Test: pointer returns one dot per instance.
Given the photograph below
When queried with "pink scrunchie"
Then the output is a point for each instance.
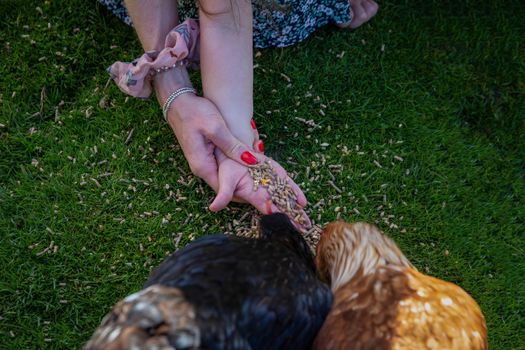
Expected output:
(181, 45)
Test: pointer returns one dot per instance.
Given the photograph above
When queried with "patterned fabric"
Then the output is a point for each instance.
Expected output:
(288, 25)
(180, 48)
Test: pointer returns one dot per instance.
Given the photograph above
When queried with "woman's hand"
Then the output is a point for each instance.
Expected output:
(235, 183)
(200, 129)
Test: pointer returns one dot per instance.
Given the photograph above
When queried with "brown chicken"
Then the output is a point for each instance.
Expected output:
(382, 302)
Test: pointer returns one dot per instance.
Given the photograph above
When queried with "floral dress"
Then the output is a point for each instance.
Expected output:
(283, 24)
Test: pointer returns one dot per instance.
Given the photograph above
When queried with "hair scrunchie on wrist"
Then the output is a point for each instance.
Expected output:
(181, 48)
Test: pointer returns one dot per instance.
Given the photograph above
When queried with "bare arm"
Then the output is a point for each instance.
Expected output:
(227, 80)
(196, 122)
(213, 131)
(227, 62)
(153, 20)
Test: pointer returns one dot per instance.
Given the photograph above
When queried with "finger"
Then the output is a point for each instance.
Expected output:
(301, 198)
(301, 201)
(220, 135)
(268, 207)
(223, 197)
(227, 185)
(201, 159)
(254, 129)
(306, 223)
(258, 146)
(303, 225)
(265, 206)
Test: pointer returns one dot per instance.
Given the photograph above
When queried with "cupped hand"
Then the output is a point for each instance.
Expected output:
(200, 129)
(220, 159)
(235, 183)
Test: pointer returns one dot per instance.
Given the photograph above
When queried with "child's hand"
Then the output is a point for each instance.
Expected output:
(235, 183)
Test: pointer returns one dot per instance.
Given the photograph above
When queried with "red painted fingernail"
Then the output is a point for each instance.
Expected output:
(253, 124)
(261, 146)
(269, 207)
(248, 158)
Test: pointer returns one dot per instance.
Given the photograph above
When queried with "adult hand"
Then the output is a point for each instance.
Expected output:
(235, 183)
(200, 129)
(258, 144)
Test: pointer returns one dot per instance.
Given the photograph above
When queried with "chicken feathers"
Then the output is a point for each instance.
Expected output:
(382, 302)
(235, 293)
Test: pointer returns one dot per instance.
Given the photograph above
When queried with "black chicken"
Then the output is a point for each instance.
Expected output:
(225, 292)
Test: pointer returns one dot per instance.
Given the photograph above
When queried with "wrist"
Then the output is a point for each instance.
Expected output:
(243, 131)
(173, 96)
(245, 137)
(167, 82)
(182, 108)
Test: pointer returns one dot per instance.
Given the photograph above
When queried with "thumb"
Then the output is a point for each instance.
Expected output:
(224, 195)
(232, 147)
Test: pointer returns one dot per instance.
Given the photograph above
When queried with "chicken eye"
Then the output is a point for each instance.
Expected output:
(183, 339)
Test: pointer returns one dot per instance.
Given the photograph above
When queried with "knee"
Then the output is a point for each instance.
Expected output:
(216, 7)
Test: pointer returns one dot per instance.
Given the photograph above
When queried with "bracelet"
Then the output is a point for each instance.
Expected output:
(162, 69)
(172, 98)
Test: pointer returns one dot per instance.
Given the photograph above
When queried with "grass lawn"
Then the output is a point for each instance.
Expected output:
(421, 116)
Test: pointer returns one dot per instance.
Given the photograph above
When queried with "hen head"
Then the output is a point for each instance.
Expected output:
(346, 251)
(278, 228)
(157, 317)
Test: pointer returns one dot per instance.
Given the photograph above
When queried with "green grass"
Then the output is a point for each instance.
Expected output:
(446, 94)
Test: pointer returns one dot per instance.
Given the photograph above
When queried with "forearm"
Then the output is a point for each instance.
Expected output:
(227, 62)
(153, 19)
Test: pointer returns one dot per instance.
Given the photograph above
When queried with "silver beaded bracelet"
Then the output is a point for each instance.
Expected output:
(155, 71)
(172, 98)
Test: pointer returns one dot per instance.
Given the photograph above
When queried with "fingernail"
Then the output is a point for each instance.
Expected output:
(248, 158)
(268, 207)
(261, 146)
(253, 124)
